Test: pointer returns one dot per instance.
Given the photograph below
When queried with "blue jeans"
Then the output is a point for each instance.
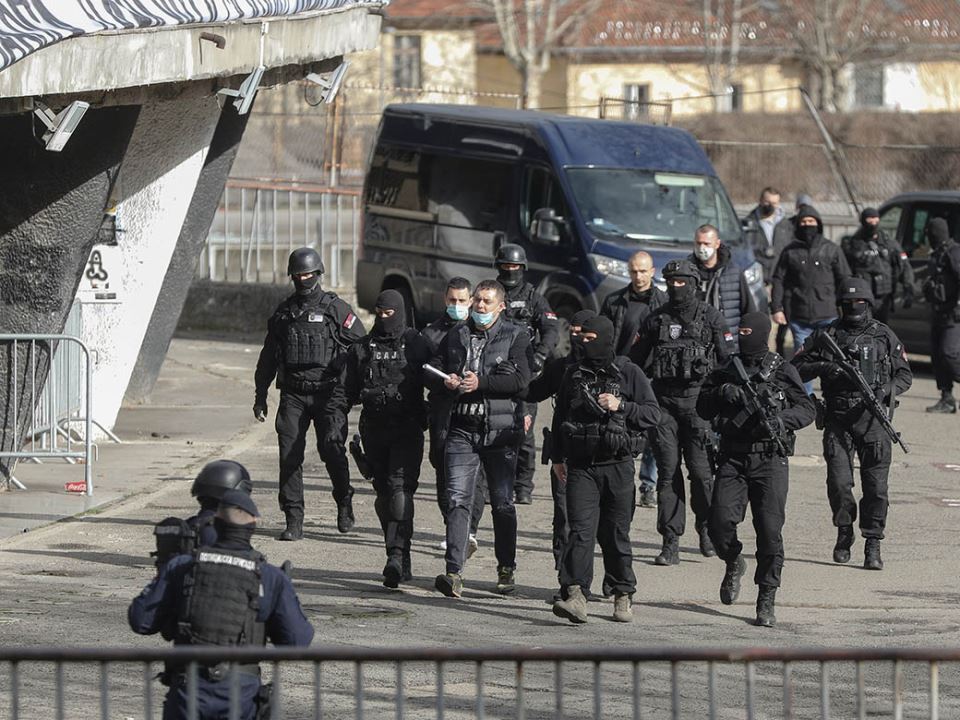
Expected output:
(801, 331)
(648, 470)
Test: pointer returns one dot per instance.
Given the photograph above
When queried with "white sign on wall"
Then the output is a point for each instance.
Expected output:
(100, 279)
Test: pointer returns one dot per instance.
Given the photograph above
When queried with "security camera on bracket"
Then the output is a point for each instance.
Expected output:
(329, 83)
(60, 126)
(248, 90)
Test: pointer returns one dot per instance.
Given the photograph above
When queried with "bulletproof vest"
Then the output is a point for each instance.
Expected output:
(941, 287)
(869, 352)
(220, 599)
(590, 432)
(520, 308)
(175, 536)
(382, 370)
(738, 424)
(681, 352)
(309, 333)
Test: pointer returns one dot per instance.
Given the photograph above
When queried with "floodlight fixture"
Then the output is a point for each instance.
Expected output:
(330, 82)
(248, 90)
(60, 126)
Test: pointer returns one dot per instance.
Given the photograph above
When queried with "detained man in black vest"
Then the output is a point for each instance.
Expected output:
(307, 338)
(678, 346)
(604, 406)
(487, 363)
(384, 375)
(627, 309)
(722, 284)
(227, 595)
(753, 461)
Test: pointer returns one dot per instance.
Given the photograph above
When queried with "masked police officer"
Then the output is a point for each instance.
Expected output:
(849, 426)
(879, 260)
(487, 363)
(383, 374)
(604, 406)
(942, 290)
(176, 536)
(756, 415)
(307, 337)
(226, 595)
(679, 345)
(527, 308)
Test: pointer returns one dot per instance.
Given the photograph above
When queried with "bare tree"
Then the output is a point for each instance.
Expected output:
(531, 31)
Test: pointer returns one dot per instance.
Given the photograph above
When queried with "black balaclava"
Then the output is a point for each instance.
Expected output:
(305, 288)
(394, 325)
(577, 320)
(509, 278)
(683, 297)
(868, 213)
(805, 233)
(754, 343)
(854, 314)
(938, 233)
(232, 535)
(598, 352)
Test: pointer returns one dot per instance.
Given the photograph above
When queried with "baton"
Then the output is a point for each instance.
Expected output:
(439, 373)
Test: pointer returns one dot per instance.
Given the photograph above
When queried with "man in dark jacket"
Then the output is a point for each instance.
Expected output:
(384, 375)
(627, 309)
(942, 290)
(307, 338)
(771, 233)
(807, 280)
(604, 406)
(722, 284)
(879, 260)
(487, 362)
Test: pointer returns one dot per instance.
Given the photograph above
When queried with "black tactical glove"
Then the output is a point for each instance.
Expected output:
(538, 361)
(260, 411)
(731, 394)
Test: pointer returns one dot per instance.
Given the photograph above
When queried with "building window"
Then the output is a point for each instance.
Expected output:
(736, 97)
(406, 61)
(635, 99)
(868, 85)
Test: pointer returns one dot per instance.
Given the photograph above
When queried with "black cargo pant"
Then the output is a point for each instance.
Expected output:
(561, 521)
(600, 503)
(945, 352)
(294, 417)
(682, 434)
(762, 479)
(846, 433)
(395, 452)
(527, 454)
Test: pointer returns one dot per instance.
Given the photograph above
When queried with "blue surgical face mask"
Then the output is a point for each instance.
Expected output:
(480, 318)
(458, 312)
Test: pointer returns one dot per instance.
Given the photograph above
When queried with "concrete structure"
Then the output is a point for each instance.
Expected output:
(154, 150)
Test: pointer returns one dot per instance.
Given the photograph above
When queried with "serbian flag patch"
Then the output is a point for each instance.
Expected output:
(550, 316)
(903, 255)
(351, 319)
(728, 336)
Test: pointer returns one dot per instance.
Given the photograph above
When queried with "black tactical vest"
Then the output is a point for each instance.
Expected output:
(519, 308)
(940, 288)
(382, 370)
(309, 334)
(682, 351)
(736, 425)
(176, 536)
(221, 598)
(869, 351)
(592, 434)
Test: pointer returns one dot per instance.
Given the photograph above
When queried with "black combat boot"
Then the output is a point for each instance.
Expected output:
(841, 551)
(706, 544)
(730, 586)
(871, 554)
(765, 605)
(393, 572)
(946, 404)
(345, 515)
(670, 553)
(406, 565)
(294, 529)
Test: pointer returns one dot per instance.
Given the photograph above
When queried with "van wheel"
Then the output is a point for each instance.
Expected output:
(564, 312)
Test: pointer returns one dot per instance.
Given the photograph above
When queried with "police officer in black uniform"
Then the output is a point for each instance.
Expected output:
(384, 375)
(307, 338)
(679, 345)
(756, 438)
(228, 595)
(942, 290)
(604, 406)
(176, 536)
(528, 308)
(879, 260)
(849, 426)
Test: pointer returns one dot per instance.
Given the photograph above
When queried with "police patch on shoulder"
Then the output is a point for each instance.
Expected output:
(315, 317)
(675, 331)
(351, 319)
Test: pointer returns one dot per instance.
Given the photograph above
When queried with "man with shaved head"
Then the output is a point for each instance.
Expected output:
(627, 309)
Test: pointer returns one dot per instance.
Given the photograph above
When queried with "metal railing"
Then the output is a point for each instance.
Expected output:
(50, 391)
(259, 222)
(514, 682)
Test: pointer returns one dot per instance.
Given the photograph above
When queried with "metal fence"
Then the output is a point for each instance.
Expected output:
(559, 683)
(260, 222)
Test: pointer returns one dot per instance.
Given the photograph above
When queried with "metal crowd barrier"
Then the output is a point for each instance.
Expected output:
(515, 682)
(53, 401)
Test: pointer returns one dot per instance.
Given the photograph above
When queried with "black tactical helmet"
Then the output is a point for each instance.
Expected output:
(511, 254)
(680, 268)
(855, 288)
(219, 476)
(304, 260)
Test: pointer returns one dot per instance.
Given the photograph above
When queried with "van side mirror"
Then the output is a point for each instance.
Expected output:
(545, 227)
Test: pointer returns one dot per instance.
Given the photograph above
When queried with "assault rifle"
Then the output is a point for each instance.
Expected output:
(755, 406)
(875, 407)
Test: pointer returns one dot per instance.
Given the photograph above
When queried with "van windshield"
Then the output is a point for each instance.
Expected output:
(632, 204)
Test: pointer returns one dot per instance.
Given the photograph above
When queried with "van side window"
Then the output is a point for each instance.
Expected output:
(468, 192)
(541, 190)
(394, 179)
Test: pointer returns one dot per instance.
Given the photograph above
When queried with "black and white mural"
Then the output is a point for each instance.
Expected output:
(28, 25)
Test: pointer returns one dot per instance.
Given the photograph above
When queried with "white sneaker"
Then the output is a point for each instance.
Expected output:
(472, 545)
(442, 545)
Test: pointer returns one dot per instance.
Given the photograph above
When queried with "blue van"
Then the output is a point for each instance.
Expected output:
(447, 185)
